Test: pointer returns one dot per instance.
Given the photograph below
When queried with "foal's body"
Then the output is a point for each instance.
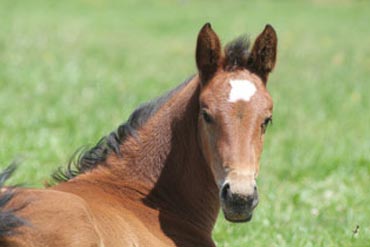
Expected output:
(121, 206)
(161, 178)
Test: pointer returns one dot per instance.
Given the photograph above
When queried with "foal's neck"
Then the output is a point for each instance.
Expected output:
(166, 158)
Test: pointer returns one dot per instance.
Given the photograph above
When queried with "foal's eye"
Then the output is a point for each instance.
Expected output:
(265, 124)
(206, 116)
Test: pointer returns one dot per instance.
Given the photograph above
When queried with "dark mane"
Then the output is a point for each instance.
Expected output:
(86, 159)
(237, 53)
(9, 222)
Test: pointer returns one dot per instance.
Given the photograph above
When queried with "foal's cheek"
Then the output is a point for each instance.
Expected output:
(258, 151)
(210, 152)
(204, 142)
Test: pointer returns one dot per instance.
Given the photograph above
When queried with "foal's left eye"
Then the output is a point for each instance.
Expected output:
(265, 124)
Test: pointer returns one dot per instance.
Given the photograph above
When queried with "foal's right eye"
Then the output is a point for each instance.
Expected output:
(207, 117)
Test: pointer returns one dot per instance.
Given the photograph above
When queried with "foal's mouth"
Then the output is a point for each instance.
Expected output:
(239, 219)
(238, 214)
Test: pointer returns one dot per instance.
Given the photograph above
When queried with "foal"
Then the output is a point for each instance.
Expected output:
(161, 178)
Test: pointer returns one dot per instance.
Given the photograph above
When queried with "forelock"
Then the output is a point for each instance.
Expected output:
(237, 53)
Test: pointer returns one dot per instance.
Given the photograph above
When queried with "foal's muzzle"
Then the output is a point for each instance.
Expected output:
(238, 205)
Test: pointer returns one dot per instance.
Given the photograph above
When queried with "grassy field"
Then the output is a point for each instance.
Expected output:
(72, 71)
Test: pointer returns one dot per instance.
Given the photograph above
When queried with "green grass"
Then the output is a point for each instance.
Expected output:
(72, 71)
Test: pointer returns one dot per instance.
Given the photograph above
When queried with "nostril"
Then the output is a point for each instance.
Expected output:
(250, 200)
(253, 200)
(242, 199)
(225, 191)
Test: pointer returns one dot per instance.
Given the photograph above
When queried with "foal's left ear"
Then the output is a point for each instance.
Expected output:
(263, 55)
(208, 53)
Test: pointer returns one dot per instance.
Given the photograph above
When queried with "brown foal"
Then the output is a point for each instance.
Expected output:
(161, 178)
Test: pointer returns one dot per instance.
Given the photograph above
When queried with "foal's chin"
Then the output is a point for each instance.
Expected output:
(237, 216)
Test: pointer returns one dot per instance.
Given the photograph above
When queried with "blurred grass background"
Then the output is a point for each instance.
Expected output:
(72, 71)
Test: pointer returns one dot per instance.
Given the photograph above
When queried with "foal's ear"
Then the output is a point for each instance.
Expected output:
(263, 55)
(208, 53)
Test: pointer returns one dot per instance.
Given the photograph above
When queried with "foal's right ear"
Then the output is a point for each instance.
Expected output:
(208, 53)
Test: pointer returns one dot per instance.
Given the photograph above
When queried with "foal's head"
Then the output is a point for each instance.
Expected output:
(235, 110)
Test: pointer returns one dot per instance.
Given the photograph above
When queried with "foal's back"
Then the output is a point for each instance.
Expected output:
(54, 218)
(63, 219)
